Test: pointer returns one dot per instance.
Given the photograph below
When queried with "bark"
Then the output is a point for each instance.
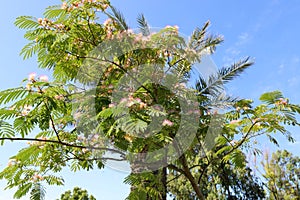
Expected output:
(190, 177)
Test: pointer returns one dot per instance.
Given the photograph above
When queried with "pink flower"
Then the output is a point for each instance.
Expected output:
(143, 105)
(234, 121)
(167, 122)
(12, 162)
(31, 76)
(44, 78)
(105, 6)
(111, 105)
(138, 100)
(123, 100)
(64, 6)
(108, 21)
(59, 97)
(233, 142)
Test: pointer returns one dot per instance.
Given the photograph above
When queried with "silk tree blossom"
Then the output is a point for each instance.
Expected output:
(167, 122)
(59, 97)
(233, 142)
(197, 112)
(111, 105)
(107, 22)
(44, 78)
(282, 101)
(36, 177)
(246, 108)
(123, 100)
(12, 162)
(143, 105)
(129, 31)
(32, 76)
(64, 5)
(40, 20)
(105, 6)
(26, 109)
(234, 121)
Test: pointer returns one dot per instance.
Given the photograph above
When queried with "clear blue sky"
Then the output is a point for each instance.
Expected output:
(266, 30)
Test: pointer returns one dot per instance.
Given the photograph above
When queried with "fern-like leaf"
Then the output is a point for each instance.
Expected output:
(143, 25)
(6, 130)
(119, 18)
(271, 97)
(29, 49)
(10, 95)
(215, 82)
(26, 22)
(54, 12)
(38, 192)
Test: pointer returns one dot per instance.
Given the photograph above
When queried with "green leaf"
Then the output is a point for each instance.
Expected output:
(271, 97)
(6, 131)
(38, 192)
(54, 12)
(119, 18)
(22, 190)
(143, 25)
(29, 49)
(26, 22)
(10, 95)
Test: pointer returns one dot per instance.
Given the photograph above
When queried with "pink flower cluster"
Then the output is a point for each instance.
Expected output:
(100, 4)
(130, 101)
(167, 122)
(12, 162)
(36, 177)
(32, 77)
(282, 101)
(26, 109)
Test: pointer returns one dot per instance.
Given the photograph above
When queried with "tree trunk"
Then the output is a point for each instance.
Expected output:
(190, 177)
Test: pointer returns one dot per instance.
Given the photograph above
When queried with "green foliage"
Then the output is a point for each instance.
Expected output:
(77, 194)
(143, 25)
(26, 22)
(38, 192)
(282, 174)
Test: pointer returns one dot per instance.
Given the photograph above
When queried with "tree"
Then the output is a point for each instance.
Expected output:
(282, 175)
(118, 92)
(77, 194)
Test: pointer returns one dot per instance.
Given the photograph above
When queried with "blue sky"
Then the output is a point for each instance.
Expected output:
(268, 31)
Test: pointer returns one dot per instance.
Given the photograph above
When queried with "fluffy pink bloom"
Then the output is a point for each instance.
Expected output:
(106, 22)
(64, 6)
(31, 76)
(138, 100)
(104, 6)
(167, 122)
(44, 78)
(12, 162)
(111, 105)
(234, 121)
(123, 100)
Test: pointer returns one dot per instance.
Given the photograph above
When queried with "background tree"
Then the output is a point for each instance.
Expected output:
(77, 194)
(282, 175)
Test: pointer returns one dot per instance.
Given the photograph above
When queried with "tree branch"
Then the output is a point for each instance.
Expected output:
(64, 144)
